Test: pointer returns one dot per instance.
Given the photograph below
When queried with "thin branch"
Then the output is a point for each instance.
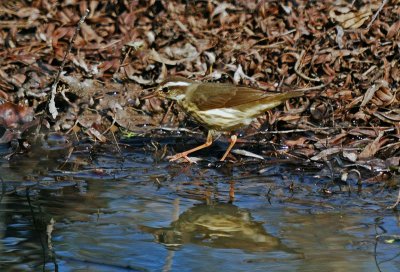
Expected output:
(377, 13)
(166, 113)
(395, 204)
(51, 105)
(312, 88)
(299, 73)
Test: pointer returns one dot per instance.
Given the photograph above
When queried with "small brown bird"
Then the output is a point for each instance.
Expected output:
(219, 107)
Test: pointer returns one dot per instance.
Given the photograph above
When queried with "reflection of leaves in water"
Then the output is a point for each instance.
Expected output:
(219, 226)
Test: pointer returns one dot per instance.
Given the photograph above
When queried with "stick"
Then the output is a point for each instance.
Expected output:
(299, 73)
(377, 13)
(51, 105)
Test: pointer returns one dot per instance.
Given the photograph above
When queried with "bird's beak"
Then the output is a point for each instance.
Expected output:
(151, 95)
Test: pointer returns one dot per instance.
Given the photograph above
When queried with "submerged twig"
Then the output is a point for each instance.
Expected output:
(396, 203)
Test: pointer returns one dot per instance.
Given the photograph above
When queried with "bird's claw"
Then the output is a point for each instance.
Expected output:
(178, 156)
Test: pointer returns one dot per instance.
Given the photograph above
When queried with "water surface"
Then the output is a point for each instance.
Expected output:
(94, 208)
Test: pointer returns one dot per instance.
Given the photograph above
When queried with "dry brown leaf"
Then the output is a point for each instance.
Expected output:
(154, 55)
(370, 132)
(351, 156)
(323, 155)
(373, 147)
(298, 141)
(87, 119)
(96, 134)
(133, 120)
(371, 91)
(393, 30)
(392, 117)
(351, 19)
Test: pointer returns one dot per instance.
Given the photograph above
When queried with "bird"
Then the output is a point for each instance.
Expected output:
(218, 107)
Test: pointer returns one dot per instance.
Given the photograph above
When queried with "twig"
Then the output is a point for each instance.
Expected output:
(51, 105)
(116, 143)
(35, 225)
(72, 128)
(376, 250)
(67, 159)
(377, 13)
(293, 130)
(396, 203)
(300, 74)
(166, 113)
(312, 88)
(389, 146)
(112, 123)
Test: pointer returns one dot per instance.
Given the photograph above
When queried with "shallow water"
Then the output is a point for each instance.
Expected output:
(93, 208)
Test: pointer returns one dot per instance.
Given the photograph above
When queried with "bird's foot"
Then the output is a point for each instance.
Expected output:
(182, 155)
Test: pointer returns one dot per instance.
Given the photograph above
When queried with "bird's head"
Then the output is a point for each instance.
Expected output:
(174, 88)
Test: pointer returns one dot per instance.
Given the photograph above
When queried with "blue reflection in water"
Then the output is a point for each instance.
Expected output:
(105, 213)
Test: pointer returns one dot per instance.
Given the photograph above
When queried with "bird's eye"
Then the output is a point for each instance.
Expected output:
(165, 89)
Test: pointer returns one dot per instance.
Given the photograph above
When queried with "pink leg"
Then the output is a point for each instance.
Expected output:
(186, 153)
(233, 141)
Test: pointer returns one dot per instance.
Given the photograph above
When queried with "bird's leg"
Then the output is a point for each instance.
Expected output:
(233, 141)
(186, 153)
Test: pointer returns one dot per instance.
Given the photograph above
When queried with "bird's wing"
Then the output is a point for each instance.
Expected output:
(227, 95)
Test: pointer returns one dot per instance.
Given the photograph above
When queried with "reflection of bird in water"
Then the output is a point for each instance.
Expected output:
(219, 226)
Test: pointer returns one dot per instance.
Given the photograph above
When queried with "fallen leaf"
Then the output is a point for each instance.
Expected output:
(351, 19)
(373, 147)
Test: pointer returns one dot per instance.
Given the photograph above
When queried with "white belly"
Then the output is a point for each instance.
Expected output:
(225, 118)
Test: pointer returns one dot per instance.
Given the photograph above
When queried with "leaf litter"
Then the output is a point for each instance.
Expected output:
(346, 53)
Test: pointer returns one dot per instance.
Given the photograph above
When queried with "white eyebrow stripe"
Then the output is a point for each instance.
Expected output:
(177, 83)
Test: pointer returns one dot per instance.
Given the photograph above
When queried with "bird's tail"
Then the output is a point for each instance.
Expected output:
(276, 99)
